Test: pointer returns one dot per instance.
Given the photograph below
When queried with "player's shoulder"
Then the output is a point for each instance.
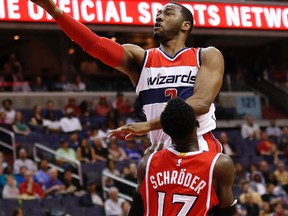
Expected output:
(223, 164)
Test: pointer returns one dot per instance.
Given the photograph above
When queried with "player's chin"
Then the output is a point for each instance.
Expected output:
(157, 35)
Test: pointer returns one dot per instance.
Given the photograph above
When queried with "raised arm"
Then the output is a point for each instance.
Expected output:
(223, 179)
(127, 58)
(209, 80)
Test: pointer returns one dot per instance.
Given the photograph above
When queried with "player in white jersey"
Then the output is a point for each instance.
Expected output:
(174, 23)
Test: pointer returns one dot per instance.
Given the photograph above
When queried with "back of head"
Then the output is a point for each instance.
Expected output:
(178, 119)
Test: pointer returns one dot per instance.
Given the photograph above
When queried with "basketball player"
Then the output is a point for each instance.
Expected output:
(182, 180)
(159, 74)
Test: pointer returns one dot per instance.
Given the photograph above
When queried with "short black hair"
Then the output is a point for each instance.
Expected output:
(178, 119)
(187, 15)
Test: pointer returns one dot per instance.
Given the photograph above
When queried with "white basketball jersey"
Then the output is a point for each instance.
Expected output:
(164, 77)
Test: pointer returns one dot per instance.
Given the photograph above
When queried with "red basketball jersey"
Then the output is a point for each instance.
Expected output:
(179, 184)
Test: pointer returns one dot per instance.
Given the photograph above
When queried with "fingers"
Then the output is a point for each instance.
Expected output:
(129, 136)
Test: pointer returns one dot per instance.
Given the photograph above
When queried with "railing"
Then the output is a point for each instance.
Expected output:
(117, 178)
(6, 145)
(60, 169)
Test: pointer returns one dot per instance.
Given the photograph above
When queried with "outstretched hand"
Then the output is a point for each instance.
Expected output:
(131, 130)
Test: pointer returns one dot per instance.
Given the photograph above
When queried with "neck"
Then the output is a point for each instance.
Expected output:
(171, 47)
(190, 146)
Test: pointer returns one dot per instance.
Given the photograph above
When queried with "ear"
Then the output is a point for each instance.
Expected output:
(186, 25)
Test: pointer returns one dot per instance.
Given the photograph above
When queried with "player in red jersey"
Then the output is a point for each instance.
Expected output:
(173, 24)
(183, 180)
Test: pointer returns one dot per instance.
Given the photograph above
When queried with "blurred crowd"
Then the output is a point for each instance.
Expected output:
(79, 132)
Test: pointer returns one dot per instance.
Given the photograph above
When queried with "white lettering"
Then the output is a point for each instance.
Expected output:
(273, 17)
(232, 16)
(213, 13)
(200, 186)
(257, 12)
(166, 177)
(99, 10)
(154, 184)
(196, 178)
(173, 177)
(2, 9)
(75, 9)
(87, 4)
(13, 7)
(64, 5)
(285, 17)
(155, 8)
(145, 16)
(200, 8)
(245, 16)
(123, 13)
(35, 15)
(111, 12)
(158, 175)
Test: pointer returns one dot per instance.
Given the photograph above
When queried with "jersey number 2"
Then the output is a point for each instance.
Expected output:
(171, 92)
(187, 200)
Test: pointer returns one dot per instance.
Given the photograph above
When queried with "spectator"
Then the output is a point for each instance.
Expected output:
(85, 153)
(18, 212)
(24, 161)
(70, 123)
(250, 130)
(19, 126)
(72, 105)
(53, 186)
(65, 156)
(267, 149)
(283, 142)
(21, 85)
(258, 183)
(74, 140)
(125, 208)
(132, 177)
(10, 190)
(113, 204)
(78, 85)
(63, 84)
(8, 110)
(281, 175)
(228, 147)
(110, 168)
(132, 152)
(50, 107)
(248, 190)
(273, 130)
(42, 175)
(91, 198)
(52, 124)
(251, 207)
(70, 186)
(20, 177)
(7, 171)
(116, 153)
(269, 196)
(96, 133)
(3, 164)
(37, 118)
(264, 169)
(101, 153)
(30, 189)
(38, 85)
(240, 174)
(102, 108)
(279, 210)
(122, 105)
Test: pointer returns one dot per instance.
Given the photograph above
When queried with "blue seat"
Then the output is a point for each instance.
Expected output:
(31, 204)
(95, 210)
(51, 203)
(76, 211)
(70, 201)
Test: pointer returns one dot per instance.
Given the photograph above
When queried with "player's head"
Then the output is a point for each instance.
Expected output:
(173, 19)
(179, 121)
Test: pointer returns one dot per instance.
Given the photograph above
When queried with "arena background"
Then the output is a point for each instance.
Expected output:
(253, 37)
